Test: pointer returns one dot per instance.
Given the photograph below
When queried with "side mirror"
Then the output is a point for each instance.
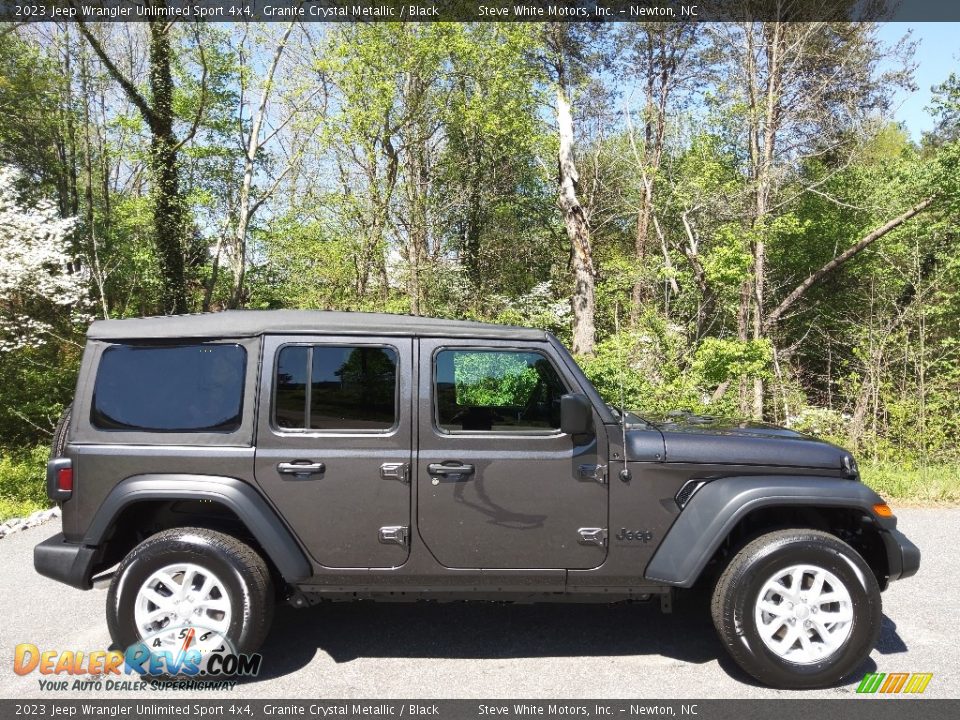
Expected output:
(576, 414)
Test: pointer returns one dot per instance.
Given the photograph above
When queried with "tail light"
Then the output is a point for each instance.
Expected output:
(65, 480)
(60, 479)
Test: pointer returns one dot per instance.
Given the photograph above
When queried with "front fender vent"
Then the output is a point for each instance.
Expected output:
(688, 490)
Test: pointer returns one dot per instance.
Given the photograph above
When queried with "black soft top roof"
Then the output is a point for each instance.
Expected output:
(249, 323)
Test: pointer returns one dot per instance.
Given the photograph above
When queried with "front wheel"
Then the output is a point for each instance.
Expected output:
(798, 609)
(191, 589)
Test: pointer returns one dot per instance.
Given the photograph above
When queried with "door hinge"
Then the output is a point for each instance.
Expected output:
(593, 536)
(395, 471)
(394, 535)
(596, 473)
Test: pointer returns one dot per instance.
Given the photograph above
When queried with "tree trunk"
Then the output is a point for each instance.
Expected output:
(169, 217)
(169, 213)
(240, 234)
(578, 231)
(773, 46)
(864, 242)
(97, 271)
(641, 242)
(417, 188)
(251, 149)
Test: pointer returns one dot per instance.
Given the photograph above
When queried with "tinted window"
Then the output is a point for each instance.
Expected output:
(291, 399)
(182, 388)
(325, 387)
(490, 390)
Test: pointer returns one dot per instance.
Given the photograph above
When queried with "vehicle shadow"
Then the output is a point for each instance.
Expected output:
(890, 642)
(348, 631)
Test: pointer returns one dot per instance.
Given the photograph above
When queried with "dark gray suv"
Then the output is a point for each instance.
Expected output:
(213, 464)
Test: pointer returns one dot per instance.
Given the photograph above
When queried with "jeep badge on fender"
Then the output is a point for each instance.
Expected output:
(228, 459)
(643, 536)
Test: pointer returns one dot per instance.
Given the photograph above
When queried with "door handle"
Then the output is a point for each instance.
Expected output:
(301, 468)
(448, 469)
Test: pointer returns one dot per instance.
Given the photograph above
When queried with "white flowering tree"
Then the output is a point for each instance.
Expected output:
(37, 282)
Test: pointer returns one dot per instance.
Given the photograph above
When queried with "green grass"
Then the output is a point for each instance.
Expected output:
(917, 484)
(22, 483)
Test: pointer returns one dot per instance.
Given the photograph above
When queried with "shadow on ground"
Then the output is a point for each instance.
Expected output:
(348, 631)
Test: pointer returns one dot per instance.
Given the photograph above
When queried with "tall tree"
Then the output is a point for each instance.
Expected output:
(662, 58)
(799, 88)
(170, 213)
(252, 141)
(567, 59)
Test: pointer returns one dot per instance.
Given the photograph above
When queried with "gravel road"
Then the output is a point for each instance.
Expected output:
(501, 651)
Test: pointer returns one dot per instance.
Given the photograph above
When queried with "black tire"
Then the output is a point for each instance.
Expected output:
(59, 441)
(244, 573)
(740, 584)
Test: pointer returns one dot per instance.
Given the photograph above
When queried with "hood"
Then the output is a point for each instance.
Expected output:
(704, 439)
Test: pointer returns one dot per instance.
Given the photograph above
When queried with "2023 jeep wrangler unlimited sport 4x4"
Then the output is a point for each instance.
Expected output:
(225, 460)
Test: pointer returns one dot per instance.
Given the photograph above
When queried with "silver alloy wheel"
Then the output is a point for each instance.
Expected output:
(804, 614)
(179, 596)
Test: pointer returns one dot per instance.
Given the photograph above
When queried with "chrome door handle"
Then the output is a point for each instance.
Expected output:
(301, 469)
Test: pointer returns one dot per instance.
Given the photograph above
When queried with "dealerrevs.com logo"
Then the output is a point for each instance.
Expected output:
(201, 659)
(894, 683)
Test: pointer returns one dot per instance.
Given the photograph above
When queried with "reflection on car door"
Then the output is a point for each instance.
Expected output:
(499, 485)
(334, 445)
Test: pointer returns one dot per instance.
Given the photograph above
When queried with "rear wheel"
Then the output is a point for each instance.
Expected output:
(798, 609)
(191, 588)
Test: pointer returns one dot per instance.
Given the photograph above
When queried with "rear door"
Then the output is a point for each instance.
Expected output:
(334, 445)
(499, 486)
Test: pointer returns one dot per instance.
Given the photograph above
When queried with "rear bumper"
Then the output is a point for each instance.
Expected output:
(903, 557)
(66, 562)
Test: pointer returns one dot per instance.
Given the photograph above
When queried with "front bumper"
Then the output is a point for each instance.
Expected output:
(66, 562)
(903, 557)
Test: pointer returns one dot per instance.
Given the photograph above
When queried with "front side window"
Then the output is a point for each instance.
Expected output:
(325, 387)
(170, 388)
(496, 391)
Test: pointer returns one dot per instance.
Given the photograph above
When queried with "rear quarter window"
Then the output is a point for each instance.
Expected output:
(170, 388)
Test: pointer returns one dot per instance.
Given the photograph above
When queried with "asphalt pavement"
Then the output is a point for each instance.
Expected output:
(484, 650)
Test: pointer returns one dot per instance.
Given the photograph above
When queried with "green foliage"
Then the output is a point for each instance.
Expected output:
(652, 368)
(823, 423)
(493, 379)
(35, 385)
(719, 359)
(29, 86)
(538, 308)
(22, 482)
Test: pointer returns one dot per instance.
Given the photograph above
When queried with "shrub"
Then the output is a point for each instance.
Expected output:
(22, 482)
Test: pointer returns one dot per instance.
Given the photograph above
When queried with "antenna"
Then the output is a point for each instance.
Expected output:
(625, 474)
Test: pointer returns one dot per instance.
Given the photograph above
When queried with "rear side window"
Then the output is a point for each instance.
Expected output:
(170, 388)
(327, 387)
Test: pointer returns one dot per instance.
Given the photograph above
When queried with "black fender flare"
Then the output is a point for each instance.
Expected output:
(242, 498)
(718, 506)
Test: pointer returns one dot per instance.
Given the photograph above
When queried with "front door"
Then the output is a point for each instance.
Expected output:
(499, 486)
(334, 445)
